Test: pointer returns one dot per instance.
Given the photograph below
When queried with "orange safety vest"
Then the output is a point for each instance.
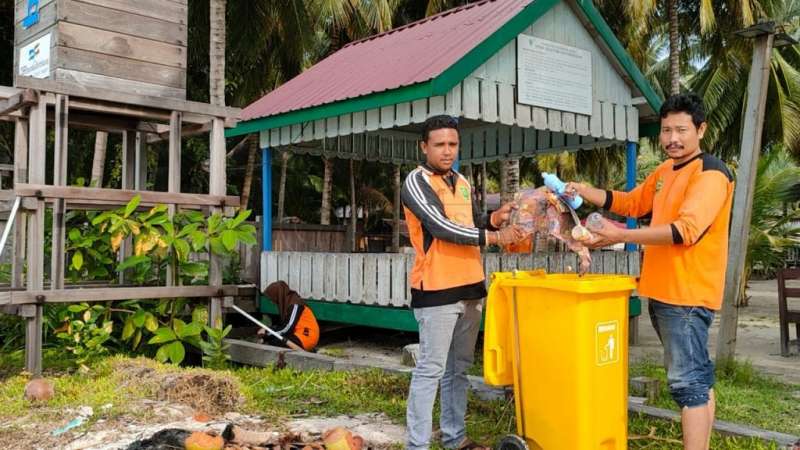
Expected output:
(445, 264)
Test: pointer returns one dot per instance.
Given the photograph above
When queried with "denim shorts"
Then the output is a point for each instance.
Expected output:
(683, 331)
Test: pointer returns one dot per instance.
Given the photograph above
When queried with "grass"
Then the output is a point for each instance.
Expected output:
(279, 394)
(744, 396)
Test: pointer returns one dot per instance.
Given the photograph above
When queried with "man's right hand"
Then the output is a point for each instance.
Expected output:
(505, 236)
(574, 188)
(592, 195)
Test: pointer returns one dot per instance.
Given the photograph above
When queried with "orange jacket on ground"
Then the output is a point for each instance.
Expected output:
(694, 198)
(445, 230)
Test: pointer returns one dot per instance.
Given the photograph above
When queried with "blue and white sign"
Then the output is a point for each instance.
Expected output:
(32, 18)
(34, 58)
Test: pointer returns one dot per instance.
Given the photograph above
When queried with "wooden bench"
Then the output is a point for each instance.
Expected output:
(786, 315)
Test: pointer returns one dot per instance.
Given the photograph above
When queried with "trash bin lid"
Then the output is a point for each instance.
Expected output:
(566, 282)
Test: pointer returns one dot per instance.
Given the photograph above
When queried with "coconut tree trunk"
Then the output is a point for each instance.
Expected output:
(484, 205)
(248, 171)
(99, 162)
(216, 50)
(282, 187)
(509, 179)
(396, 224)
(353, 207)
(674, 48)
(327, 187)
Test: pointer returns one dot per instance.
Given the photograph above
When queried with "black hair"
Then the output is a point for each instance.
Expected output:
(690, 103)
(437, 123)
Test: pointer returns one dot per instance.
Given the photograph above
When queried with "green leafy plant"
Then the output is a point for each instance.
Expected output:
(215, 350)
(85, 329)
(171, 339)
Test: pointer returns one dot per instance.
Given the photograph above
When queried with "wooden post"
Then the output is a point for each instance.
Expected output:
(217, 186)
(59, 179)
(266, 199)
(20, 176)
(396, 225)
(174, 170)
(35, 281)
(743, 194)
(140, 164)
(130, 140)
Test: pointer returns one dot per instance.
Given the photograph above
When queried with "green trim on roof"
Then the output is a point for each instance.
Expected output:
(363, 103)
(457, 72)
(491, 45)
(623, 57)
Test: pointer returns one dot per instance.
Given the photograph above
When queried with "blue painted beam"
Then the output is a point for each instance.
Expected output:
(630, 183)
(266, 194)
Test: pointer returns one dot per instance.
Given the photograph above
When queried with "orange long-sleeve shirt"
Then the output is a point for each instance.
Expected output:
(694, 198)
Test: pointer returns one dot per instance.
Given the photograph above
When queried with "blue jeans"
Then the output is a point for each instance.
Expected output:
(447, 336)
(683, 331)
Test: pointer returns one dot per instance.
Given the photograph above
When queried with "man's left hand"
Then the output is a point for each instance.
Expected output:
(608, 234)
(500, 217)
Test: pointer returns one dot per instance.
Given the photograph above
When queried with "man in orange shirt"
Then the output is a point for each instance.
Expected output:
(688, 198)
(447, 282)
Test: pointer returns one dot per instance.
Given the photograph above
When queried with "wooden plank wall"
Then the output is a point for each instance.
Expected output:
(382, 278)
(134, 47)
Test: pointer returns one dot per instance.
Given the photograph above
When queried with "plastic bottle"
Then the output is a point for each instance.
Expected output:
(595, 221)
(558, 187)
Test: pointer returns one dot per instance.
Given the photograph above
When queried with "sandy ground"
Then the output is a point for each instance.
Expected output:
(757, 336)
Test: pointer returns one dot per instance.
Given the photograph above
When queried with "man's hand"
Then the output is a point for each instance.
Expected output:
(502, 215)
(505, 236)
(607, 234)
(592, 195)
(573, 188)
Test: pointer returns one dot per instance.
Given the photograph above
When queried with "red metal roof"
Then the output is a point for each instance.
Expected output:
(407, 55)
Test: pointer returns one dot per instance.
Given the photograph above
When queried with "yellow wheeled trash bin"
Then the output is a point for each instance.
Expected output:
(561, 341)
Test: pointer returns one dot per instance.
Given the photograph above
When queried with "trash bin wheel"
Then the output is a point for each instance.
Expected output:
(512, 442)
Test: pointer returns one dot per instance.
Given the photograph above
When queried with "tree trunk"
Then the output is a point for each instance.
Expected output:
(353, 208)
(216, 50)
(396, 225)
(282, 186)
(484, 204)
(99, 162)
(674, 48)
(248, 171)
(509, 179)
(327, 188)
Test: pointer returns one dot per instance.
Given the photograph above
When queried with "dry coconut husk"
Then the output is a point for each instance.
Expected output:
(212, 393)
(209, 392)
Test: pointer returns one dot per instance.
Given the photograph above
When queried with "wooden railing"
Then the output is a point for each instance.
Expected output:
(382, 278)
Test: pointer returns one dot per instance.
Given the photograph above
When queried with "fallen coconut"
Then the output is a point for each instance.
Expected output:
(342, 439)
(204, 441)
(39, 389)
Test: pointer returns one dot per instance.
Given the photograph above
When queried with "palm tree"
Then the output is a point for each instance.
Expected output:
(722, 82)
(773, 226)
(216, 73)
(327, 190)
(340, 22)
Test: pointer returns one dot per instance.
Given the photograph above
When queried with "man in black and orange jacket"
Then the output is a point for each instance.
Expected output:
(688, 198)
(447, 282)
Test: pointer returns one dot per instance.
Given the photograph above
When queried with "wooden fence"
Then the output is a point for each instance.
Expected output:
(382, 278)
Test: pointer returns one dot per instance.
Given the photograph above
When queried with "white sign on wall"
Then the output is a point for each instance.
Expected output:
(553, 75)
(34, 58)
